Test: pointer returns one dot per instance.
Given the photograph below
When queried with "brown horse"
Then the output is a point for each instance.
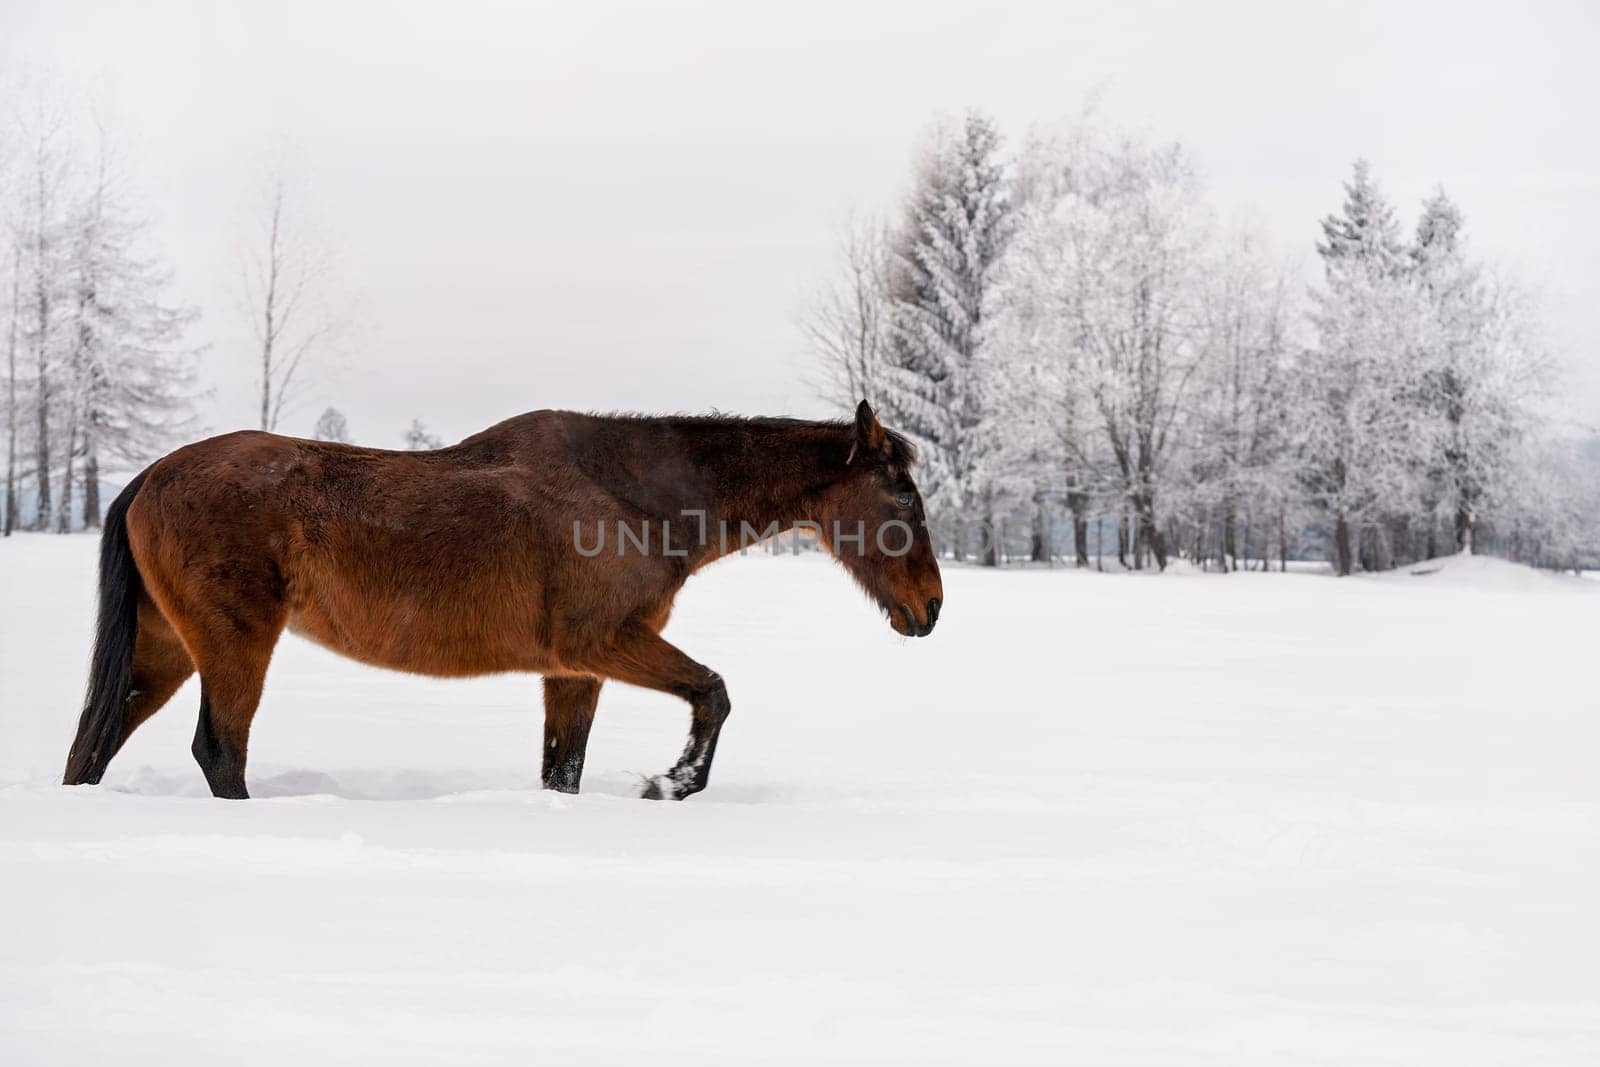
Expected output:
(554, 543)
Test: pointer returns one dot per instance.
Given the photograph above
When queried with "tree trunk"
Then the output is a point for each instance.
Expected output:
(1158, 544)
(11, 394)
(989, 535)
(64, 500)
(1041, 540)
(1395, 541)
(1147, 537)
(1230, 549)
(266, 382)
(1341, 546)
(1079, 503)
(91, 490)
(41, 511)
(42, 400)
(1466, 487)
(1366, 549)
(958, 544)
(269, 314)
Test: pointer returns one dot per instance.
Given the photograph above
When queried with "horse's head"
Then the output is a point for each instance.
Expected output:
(872, 521)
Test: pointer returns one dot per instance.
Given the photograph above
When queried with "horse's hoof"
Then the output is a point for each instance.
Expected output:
(659, 788)
(664, 787)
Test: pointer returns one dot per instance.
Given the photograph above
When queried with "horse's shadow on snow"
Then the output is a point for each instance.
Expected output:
(462, 784)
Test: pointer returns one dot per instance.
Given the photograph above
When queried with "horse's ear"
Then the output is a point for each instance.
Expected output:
(870, 434)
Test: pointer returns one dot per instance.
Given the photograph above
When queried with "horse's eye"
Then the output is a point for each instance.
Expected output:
(904, 500)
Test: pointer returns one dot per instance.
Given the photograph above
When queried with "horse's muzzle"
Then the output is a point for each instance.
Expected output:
(916, 629)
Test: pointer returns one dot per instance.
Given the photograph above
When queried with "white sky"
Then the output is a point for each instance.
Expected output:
(596, 205)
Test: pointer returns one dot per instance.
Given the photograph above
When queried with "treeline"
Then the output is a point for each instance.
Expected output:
(1087, 357)
(99, 371)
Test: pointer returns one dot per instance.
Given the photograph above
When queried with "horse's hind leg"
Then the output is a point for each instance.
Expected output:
(233, 668)
(569, 704)
(160, 666)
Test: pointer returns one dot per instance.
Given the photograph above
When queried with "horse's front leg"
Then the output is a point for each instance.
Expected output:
(641, 657)
(569, 703)
(709, 709)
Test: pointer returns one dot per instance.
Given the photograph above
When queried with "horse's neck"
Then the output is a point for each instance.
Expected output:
(761, 501)
(769, 494)
(761, 508)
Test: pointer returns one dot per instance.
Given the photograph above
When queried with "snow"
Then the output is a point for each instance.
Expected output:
(1095, 818)
(1484, 572)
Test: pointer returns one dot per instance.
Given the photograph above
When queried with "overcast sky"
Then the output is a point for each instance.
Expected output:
(606, 206)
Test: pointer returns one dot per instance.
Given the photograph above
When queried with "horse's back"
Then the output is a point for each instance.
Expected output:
(396, 558)
(454, 561)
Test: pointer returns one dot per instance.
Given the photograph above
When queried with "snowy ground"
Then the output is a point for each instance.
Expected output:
(1095, 819)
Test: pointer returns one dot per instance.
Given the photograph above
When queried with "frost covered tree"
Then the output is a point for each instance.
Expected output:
(1097, 320)
(1364, 231)
(34, 161)
(291, 298)
(128, 380)
(1479, 373)
(1358, 418)
(418, 439)
(13, 407)
(331, 426)
(1026, 406)
(94, 349)
(1241, 471)
(12, 293)
(1419, 387)
(1032, 337)
(1011, 459)
(943, 253)
(39, 231)
(1548, 515)
(1132, 229)
(846, 322)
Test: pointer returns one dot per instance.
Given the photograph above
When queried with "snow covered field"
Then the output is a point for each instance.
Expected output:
(1095, 819)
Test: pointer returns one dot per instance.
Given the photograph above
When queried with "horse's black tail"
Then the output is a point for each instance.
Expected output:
(105, 710)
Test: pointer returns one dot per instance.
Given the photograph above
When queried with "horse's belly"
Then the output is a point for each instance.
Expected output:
(421, 640)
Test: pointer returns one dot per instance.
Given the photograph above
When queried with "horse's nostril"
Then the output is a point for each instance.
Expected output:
(933, 611)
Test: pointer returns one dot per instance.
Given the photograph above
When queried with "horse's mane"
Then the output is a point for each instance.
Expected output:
(902, 452)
